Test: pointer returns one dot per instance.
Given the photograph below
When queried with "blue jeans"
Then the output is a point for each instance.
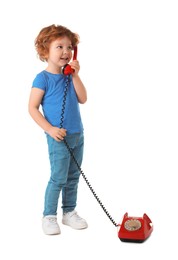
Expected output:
(64, 173)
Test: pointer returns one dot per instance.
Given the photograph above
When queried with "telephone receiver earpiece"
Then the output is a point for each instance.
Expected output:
(67, 70)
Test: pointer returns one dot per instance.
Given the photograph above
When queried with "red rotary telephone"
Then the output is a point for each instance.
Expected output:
(134, 229)
(67, 70)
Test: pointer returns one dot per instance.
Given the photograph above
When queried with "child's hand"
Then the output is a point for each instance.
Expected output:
(57, 133)
(76, 66)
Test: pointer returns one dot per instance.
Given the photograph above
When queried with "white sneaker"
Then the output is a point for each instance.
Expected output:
(50, 225)
(73, 220)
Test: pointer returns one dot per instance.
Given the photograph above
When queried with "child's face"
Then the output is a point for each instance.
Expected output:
(60, 52)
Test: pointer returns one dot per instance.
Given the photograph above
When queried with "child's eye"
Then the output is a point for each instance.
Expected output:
(69, 48)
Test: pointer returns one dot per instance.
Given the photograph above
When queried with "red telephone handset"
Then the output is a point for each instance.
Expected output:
(67, 70)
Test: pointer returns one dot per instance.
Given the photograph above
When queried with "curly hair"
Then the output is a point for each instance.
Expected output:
(49, 34)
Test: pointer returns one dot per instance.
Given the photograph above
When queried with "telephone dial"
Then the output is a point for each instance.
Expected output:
(132, 229)
(135, 229)
(67, 70)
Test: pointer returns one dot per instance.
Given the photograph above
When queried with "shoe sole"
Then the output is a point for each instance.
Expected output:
(52, 234)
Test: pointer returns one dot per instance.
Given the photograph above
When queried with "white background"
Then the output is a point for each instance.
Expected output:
(129, 61)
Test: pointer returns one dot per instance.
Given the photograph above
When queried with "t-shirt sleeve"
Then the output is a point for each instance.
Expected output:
(39, 82)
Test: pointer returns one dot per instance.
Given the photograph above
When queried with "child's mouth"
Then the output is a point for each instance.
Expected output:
(65, 59)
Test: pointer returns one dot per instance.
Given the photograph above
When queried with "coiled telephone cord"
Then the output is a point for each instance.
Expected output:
(73, 157)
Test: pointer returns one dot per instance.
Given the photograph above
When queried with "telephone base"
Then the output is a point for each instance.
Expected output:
(132, 240)
(135, 229)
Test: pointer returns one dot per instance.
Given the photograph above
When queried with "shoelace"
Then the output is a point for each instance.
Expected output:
(52, 220)
(76, 216)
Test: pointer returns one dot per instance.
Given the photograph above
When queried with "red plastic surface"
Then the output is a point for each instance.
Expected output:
(138, 235)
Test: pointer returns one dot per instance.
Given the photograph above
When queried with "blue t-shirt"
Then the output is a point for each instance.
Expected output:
(54, 86)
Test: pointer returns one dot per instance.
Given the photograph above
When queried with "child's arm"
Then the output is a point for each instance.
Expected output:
(35, 99)
(78, 84)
